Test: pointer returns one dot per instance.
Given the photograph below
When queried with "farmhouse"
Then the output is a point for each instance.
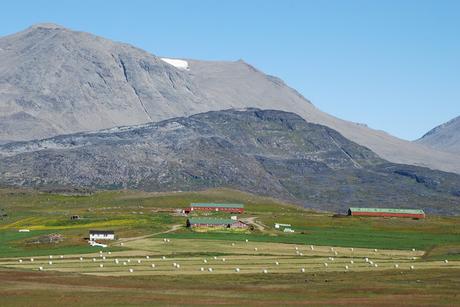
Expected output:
(385, 212)
(208, 222)
(101, 235)
(233, 208)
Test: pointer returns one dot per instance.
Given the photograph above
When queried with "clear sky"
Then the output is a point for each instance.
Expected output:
(394, 65)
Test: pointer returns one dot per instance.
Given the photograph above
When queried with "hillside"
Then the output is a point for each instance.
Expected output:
(444, 137)
(57, 81)
(271, 153)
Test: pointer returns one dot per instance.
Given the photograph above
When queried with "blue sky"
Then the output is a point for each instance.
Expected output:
(394, 65)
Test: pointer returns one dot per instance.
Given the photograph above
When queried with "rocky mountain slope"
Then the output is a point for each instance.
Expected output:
(445, 137)
(54, 81)
(265, 152)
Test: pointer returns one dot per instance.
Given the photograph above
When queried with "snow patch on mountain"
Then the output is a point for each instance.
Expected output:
(180, 64)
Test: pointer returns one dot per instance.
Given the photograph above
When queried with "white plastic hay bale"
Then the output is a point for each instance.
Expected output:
(371, 262)
(215, 258)
(335, 253)
(247, 240)
(301, 254)
(50, 262)
(277, 263)
(94, 259)
(164, 257)
(223, 260)
(351, 249)
(375, 250)
(100, 252)
(31, 259)
(153, 265)
(62, 257)
(168, 240)
(325, 264)
(116, 261)
(205, 261)
(376, 265)
(51, 256)
(201, 269)
(210, 269)
(178, 266)
(413, 249)
(332, 249)
(81, 258)
(129, 260)
(103, 258)
(311, 247)
(396, 265)
(110, 253)
(446, 261)
(139, 261)
(332, 259)
(265, 271)
(413, 258)
(131, 270)
(255, 248)
(147, 257)
(366, 259)
(20, 260)
(121, 244)
(101, 265)
(302, 270)
(237, 270)
(351, 262)
(174, 264)
(412, 267)
(233, 244)
(346, 267)
(40, 268)
(296, 248)
(124, 263)
(164, 240)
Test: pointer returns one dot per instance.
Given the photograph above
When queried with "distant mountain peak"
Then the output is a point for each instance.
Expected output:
(47, 26)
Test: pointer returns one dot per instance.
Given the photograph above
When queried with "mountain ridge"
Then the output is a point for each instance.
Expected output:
(267, 152)
(68, 81)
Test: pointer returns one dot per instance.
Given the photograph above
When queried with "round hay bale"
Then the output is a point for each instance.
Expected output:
(153, 265)
(346, 267)
(351, 262)
(237, 270)
(325, 264)
(201, 269)
(124, 263)
(396, 265)
(210, 269)
(94, 259)
(51, 256)
(223, 259)
(131, 270)
(20, 260)
(101, 265)
(147, 257)
(302, 270)
(81, 258)
(40, 268)
(164, 257)
(205, 261)
(277, 263)
(62, 256)
(412, 267)
(50, 262)
(265, 271)
(139, 261)
(31, 259)
(446, 261)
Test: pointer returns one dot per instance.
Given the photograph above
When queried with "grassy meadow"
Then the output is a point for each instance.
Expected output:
(144, 221)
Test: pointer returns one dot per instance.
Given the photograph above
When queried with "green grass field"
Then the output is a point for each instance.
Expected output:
(142, 220)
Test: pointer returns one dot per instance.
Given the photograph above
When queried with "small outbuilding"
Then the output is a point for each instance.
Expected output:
(209, 222)
(101, 235)
(387, 212)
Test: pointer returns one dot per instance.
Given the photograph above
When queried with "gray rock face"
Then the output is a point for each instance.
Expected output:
(267, 152)
(445, 137)
(54, 81)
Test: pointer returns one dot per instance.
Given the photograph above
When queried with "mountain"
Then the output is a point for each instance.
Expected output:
(57, 81)
(445, 137)
(267, 152)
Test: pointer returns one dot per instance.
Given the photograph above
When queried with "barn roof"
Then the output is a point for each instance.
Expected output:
(216, 205)
(211, 221)
(388, 210)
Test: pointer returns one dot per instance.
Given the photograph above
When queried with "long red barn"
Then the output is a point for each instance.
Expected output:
(231, 208)
(387, 212)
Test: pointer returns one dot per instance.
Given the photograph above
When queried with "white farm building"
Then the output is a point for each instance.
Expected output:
(101, 235)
